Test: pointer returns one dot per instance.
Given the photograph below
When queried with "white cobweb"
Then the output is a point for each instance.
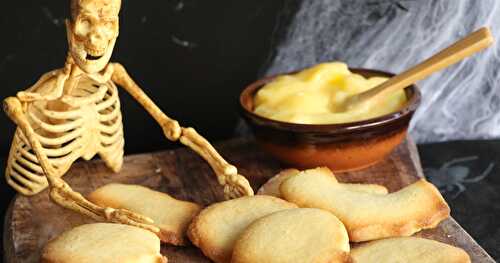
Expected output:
(462, 102)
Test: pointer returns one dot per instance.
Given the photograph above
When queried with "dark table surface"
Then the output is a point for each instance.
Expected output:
(466, 172)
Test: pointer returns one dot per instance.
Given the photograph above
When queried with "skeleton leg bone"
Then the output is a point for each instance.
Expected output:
(235, 185)
(60, 191)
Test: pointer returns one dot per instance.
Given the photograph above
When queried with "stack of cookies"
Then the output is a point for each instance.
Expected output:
(308, 216)
(297, 216)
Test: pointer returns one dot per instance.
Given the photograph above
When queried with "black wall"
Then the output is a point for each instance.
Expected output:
(196, 82)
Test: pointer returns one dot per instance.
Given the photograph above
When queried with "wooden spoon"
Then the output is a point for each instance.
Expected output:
(465, 47)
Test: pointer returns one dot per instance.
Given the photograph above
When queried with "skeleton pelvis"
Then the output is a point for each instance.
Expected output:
(89, 122)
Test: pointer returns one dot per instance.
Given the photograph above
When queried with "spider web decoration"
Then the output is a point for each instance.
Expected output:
(453, 175)
(462, 102)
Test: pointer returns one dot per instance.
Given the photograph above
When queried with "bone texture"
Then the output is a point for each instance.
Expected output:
(74, 112)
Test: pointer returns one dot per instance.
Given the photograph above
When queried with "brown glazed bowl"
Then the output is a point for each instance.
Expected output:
(341, 147)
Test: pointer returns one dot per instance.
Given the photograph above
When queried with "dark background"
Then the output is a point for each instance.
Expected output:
(193, 57)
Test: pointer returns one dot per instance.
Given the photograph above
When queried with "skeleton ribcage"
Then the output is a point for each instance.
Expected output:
(92, 124)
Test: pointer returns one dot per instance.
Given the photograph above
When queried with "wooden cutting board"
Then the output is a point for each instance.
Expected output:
(31, 221)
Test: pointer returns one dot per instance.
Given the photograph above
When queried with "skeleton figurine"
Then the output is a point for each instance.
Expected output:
(74, 112)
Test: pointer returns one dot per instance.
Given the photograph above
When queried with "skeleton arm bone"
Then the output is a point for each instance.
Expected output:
(235, 185)
(170, 127)
(60, 191)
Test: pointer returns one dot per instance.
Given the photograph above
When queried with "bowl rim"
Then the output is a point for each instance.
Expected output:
(410, 107)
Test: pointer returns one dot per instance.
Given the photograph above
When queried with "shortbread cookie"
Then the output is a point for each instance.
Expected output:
(106, 243)
(408, 250)
(305, 235)
(370, 216)
(218, 226)
(172, 216)
(272, 186)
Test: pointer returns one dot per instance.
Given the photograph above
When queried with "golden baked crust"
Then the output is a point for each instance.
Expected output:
(370, 216)
(408, 250)
(106, 243)
(172, 216)
(305, 235)
(272, 186)
(215, 229)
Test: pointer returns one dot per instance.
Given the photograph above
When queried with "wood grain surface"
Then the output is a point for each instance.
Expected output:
(31, 221)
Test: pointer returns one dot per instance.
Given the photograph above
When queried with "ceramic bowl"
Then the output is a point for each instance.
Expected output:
(341, 147)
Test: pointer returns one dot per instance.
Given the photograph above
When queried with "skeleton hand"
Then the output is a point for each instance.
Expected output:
(62, 194)
(235, 185)
(124, 216)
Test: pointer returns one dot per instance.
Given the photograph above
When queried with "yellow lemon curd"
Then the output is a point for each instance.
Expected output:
(310, 96)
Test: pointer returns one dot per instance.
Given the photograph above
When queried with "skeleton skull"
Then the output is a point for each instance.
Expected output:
(92, 32)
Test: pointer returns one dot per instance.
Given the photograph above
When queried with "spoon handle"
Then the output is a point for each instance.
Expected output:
(465, 47)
